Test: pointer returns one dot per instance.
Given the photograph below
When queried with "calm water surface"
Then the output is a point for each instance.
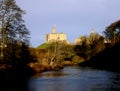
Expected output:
(75, 79)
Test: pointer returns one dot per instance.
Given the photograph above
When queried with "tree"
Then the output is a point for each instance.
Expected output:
(83, 50)
(90, 46)
(55, 53)
(13, 32)
(97, 45)
(68, 52)
(113, 30)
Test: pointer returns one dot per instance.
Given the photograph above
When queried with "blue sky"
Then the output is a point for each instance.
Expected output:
(73, 17)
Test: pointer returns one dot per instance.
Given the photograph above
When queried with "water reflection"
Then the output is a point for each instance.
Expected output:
(75, 79)
(50, 74)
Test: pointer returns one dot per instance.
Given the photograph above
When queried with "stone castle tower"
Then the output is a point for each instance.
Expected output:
(54, 29)
(54, 36)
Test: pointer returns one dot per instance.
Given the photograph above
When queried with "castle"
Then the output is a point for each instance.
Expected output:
(80, 39)
(62, 37)
(54, 36)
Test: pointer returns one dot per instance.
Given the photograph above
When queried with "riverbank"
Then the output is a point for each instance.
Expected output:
(38, 68)
(107, 59)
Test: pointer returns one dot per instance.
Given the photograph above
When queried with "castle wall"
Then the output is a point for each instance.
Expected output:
(54, 36)
(62, 37)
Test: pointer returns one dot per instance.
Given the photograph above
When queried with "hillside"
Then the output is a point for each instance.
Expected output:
(43, 46)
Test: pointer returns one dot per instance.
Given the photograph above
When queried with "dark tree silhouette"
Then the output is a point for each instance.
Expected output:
(13, 32)
(113, 30)
(14, 47)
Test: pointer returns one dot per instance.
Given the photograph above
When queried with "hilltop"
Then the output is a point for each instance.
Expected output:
(43, 46)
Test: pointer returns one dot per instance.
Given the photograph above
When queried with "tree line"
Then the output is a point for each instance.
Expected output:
(14, 47)
(14, 38)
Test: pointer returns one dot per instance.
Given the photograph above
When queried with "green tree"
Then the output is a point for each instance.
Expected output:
(13, 32)
(97, 45)
(90, 46)
(68, 52)
(83, 50)
(113, 30)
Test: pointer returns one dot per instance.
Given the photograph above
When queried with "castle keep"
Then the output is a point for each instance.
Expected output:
(54, 36)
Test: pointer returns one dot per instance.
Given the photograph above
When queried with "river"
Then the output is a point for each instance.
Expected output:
(75, 78)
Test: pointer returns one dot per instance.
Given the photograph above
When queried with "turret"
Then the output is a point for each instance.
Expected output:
(54, 29)
(92, 31)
